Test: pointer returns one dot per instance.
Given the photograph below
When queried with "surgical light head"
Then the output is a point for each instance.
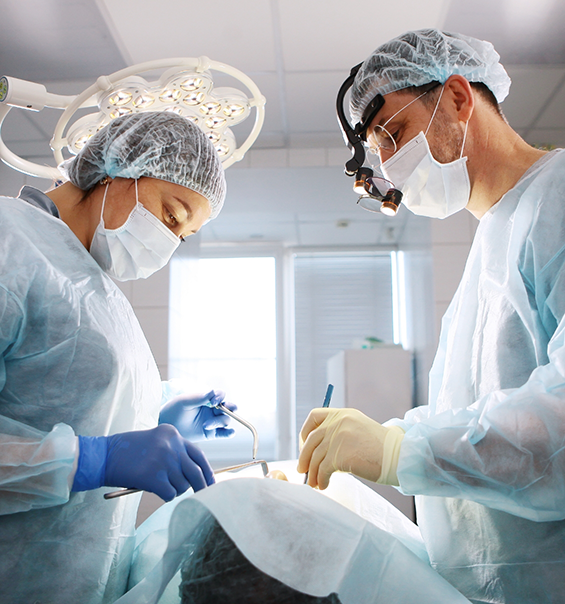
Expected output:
(185, 88)
(159, 145)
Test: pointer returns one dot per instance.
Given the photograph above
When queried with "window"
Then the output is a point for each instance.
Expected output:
(262, 327)
(223, 336)
(339, 298)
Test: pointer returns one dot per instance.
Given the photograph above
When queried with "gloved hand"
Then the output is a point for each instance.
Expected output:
(157, 460)
(347, 440)
(195, 419)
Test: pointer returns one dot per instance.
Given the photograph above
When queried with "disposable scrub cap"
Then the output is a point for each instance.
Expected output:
(156, 144)
(420, 57)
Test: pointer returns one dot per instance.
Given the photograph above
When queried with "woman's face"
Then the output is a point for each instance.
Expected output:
(182, 210)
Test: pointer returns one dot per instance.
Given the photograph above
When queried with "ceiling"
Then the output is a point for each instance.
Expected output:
(290, 187)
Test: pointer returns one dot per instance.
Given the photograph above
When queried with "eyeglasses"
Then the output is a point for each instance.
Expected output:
(380, 139)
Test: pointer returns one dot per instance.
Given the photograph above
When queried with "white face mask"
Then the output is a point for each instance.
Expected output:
(137, 249)
(429, 188)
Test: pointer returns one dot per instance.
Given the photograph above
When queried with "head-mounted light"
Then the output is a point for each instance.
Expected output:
(354, 138)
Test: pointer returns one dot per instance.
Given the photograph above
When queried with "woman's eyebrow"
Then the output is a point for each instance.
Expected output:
(186, 207)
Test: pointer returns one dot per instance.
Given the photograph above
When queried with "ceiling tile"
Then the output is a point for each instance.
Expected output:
(55, 40)
(268, 158)
(332, 34)
(20, 126)
(254, 219)
(306, 158)
(27, 149)
(291, 190)
(311, 100)
(237, 33)
(523, 32)
(327, 233)
(266, 231)
(352, 213)
(270, 140)
(337, 156)
(269, 86)
(306, 140)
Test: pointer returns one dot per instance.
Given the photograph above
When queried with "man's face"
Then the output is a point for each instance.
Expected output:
(403, 119)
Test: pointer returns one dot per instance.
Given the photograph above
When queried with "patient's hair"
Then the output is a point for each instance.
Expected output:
(216, 571)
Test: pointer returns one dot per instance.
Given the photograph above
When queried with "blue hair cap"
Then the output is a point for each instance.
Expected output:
(420, 57)
(155, 144)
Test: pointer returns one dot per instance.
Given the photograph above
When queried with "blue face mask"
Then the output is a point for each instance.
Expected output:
(137, 249)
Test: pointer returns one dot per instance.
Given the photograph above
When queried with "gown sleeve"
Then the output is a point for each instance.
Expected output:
(507, 450)
(35, 466)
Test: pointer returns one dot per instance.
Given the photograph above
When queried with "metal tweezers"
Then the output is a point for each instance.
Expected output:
(237, 418)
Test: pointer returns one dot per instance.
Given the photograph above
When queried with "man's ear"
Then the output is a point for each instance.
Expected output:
(461, 99)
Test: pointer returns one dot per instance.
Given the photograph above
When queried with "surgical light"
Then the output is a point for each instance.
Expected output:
(233, 110)
(170, 96)
(192, 84)
(178, 111)
(185, 87)
(119, 98)
(143, 101)
(208, 108)
(215, 122)
(195, 98)
(117, 113)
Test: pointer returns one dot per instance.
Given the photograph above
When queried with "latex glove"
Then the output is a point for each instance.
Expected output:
(347, 440)
(195, 418)
(157, 460)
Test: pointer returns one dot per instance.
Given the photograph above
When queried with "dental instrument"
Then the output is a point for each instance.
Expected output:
(326, 403)
(243, 422)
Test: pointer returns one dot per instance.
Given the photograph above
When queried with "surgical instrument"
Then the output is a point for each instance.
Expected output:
(326, 403)
(237, 418)
(236, 468)
(243, 422)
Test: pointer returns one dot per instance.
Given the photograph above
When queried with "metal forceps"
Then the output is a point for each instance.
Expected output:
(237, 418)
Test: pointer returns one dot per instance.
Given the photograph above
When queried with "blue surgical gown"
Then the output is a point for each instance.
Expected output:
(486, 458)
(73, 360)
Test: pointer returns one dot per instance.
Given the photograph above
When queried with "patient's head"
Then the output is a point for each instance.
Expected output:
(216, 571)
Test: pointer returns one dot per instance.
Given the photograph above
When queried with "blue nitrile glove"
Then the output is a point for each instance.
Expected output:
(158, 460)
(196, 417)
